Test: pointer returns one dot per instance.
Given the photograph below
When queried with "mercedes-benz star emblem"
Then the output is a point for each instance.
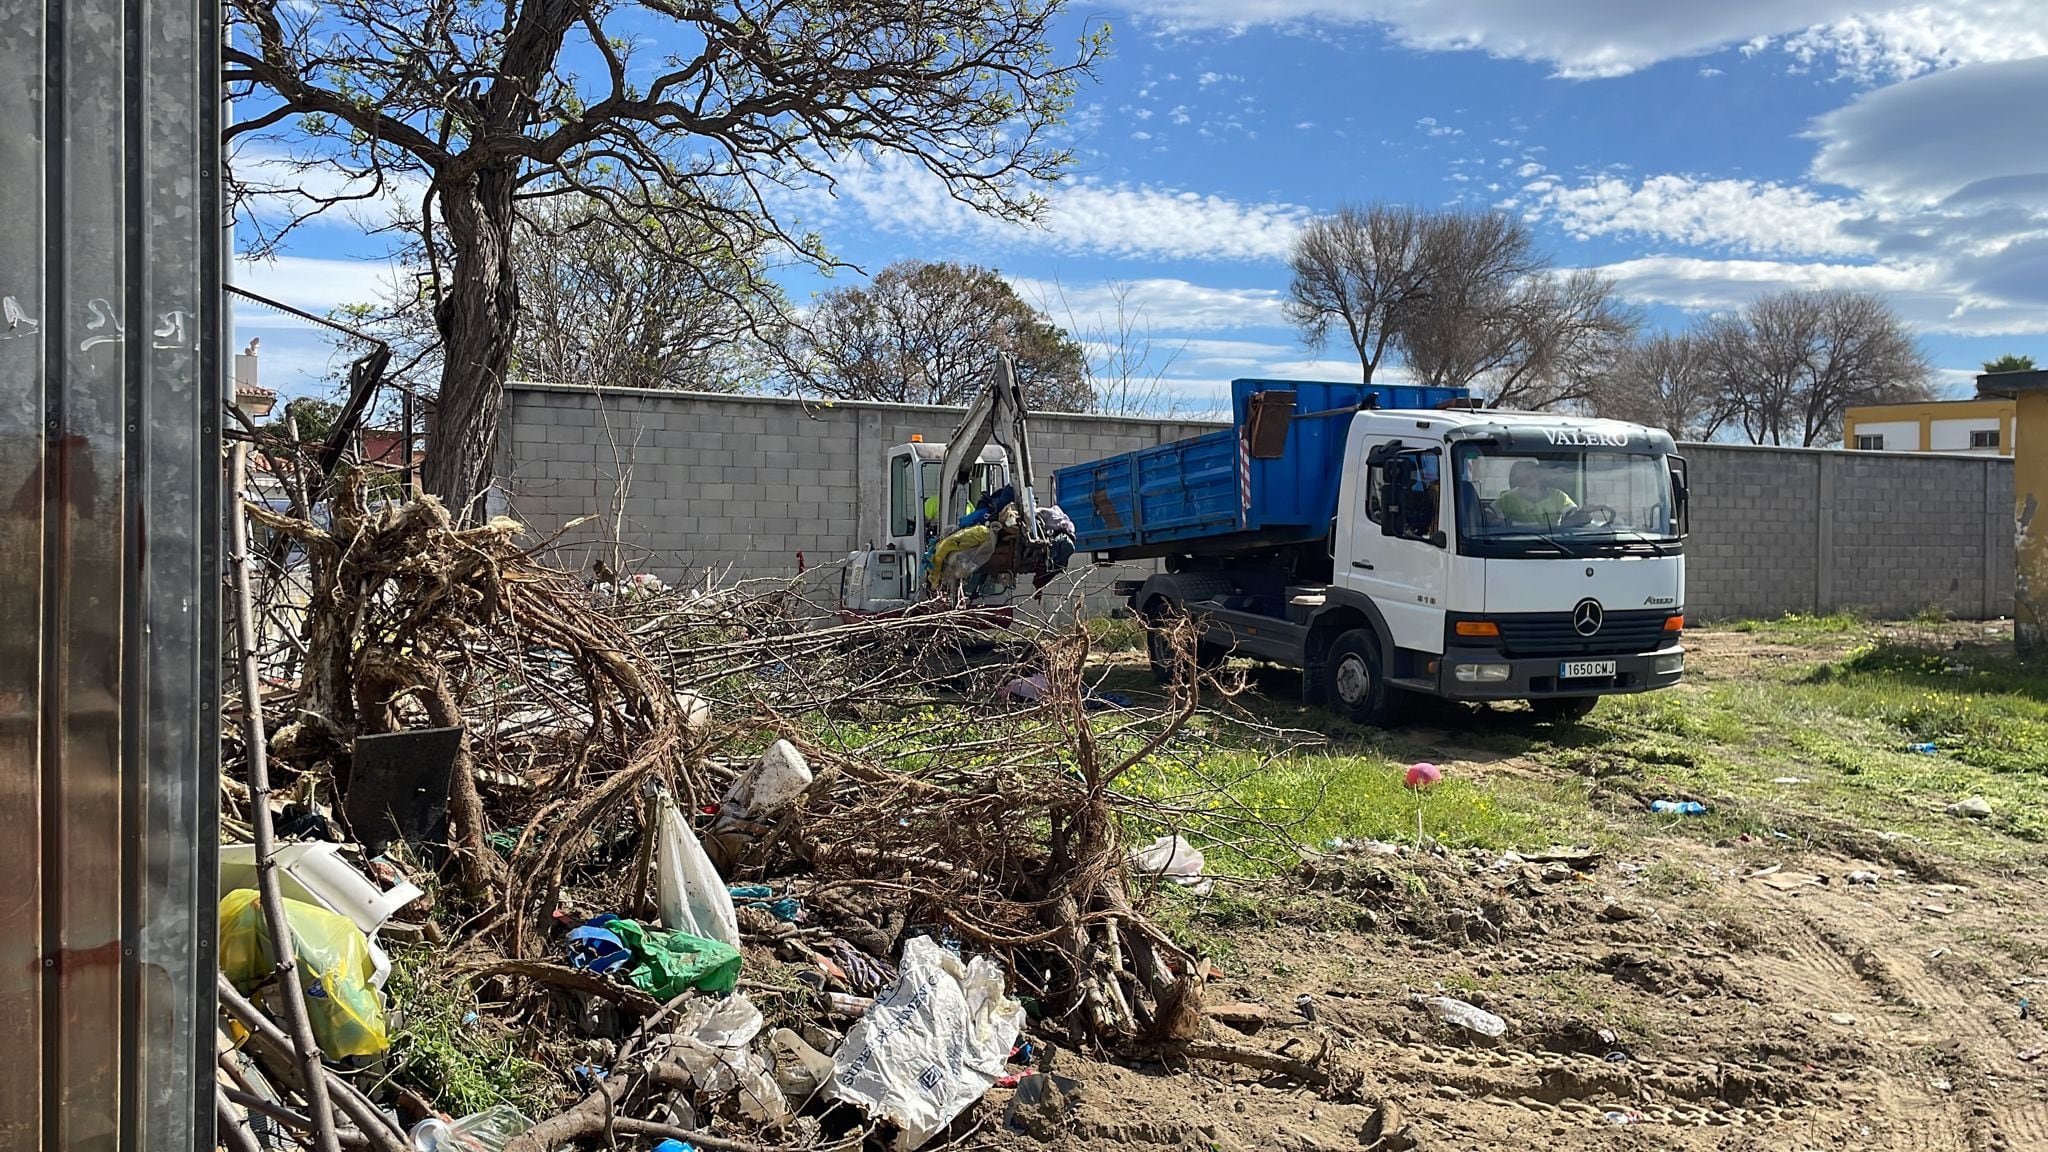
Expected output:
(1587, 617)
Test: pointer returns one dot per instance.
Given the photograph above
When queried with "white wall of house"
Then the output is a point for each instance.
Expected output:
(1899, 435)
(1954, 435)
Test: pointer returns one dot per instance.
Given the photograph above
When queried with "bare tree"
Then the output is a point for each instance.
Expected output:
(1522, 337)
(1666, 382)
(483, 109)
(1790, 363)
(660, 308)
(926, 332)
(1361, 271)
(1126, 368)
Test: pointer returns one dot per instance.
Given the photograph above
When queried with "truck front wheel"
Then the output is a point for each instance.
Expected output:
(1352, 680)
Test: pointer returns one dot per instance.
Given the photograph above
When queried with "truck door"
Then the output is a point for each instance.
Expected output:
(1400, 544)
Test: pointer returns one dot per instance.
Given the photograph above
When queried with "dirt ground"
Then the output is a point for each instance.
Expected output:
(1673, 994)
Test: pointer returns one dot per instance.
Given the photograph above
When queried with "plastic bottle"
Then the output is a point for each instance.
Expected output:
(1927, 749)
(486, 1131)
(1466, 1016)
(1678, 807)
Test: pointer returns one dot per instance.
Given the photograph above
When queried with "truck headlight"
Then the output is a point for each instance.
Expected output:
(1481, 673)
(1669, 665)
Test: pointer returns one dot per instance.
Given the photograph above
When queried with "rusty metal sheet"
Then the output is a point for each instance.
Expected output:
(110, 399)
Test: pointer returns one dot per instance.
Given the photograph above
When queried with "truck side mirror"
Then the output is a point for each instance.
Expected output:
(1681, 498)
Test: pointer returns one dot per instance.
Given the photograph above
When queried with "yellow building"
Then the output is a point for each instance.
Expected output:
(1983, 426)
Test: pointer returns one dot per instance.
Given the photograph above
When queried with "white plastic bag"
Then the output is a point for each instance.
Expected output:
(687, 889)
(714, 1040)
(930, 1046)
(800, 1070)
(1173, 860)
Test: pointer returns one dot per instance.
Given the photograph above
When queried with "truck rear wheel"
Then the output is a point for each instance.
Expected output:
(1353, 683)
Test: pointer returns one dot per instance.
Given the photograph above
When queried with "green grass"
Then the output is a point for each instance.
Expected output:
(1801, 628)
(463, 1068)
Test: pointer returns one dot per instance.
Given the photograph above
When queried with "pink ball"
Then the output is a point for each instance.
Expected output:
(1423, 775)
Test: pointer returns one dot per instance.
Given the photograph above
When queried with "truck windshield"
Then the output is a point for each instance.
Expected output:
(1561, 495)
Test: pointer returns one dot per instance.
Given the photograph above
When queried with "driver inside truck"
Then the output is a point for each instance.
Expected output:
(1531, 499)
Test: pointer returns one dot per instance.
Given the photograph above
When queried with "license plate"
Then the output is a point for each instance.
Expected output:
(1581, 669)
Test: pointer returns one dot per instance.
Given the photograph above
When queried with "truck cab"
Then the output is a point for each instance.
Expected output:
(1433, 548)
(1502, 556)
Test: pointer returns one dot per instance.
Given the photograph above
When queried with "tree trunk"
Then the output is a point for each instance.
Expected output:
(476, 319)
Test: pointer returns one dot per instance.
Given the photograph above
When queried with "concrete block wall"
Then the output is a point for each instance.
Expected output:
(731, 487)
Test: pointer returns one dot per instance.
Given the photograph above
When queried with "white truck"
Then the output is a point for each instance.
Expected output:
(1433, 548)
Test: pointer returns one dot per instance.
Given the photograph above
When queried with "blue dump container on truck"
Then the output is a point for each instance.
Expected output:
(1211, 493)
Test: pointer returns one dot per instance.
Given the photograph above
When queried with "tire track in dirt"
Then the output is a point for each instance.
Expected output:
(1960, 1102)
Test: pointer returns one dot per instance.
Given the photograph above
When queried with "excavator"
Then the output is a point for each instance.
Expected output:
(963, 525)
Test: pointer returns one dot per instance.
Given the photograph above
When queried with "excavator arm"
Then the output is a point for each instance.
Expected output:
(997, 414)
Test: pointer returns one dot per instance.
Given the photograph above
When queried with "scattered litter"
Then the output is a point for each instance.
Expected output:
(1678, 807)
(1790, 780)
(1622, 1119)
(1938, 909)
(1976, 808)
(1459, 1014)
(1100, 701)
(1927, 749)
(2026, 1008)
(1173, 860)
(787, 909)
(1863, 877)
(939, 1040)
(1843, 1019)
(801, 1071)
(713, 1040)
(666, 964)
(2028, 1055)
(487, 1131)
(1043, 1105)
(596, 949)
(777, 778)
(1306, 1005)
(674, 1146)
(1027, 689)
(688, 890)
(1616, 1058)
(315, 873)
(345, 1009)
(1424, 775)
(1937, 954)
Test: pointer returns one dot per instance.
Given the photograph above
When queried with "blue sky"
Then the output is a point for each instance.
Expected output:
(1697, 153)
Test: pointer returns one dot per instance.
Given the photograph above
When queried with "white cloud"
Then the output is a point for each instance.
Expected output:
(1931, 137)
(1920, 292)
(1742, 215)
(1904, 42)
(275, 183)
(1167, 305)
(1595, 38)
(1179, 115)
(1527, 171)
(315, 285)
(1710, 73)
(1141, 135)
(1080, 215)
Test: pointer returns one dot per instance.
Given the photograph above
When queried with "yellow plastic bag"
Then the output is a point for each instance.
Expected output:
(346, 1012)
(968, 549)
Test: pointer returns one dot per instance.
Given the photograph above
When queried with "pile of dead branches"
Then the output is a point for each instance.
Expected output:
(967, 783)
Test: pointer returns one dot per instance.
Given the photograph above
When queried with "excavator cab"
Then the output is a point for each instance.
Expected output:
(931, 489)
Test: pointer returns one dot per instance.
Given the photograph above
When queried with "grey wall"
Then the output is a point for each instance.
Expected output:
(737, 486)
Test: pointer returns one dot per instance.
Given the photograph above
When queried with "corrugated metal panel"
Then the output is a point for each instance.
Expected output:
(109, 517)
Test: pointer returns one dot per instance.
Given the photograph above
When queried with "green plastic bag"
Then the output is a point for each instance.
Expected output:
(667, 963)
(346, 1012)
